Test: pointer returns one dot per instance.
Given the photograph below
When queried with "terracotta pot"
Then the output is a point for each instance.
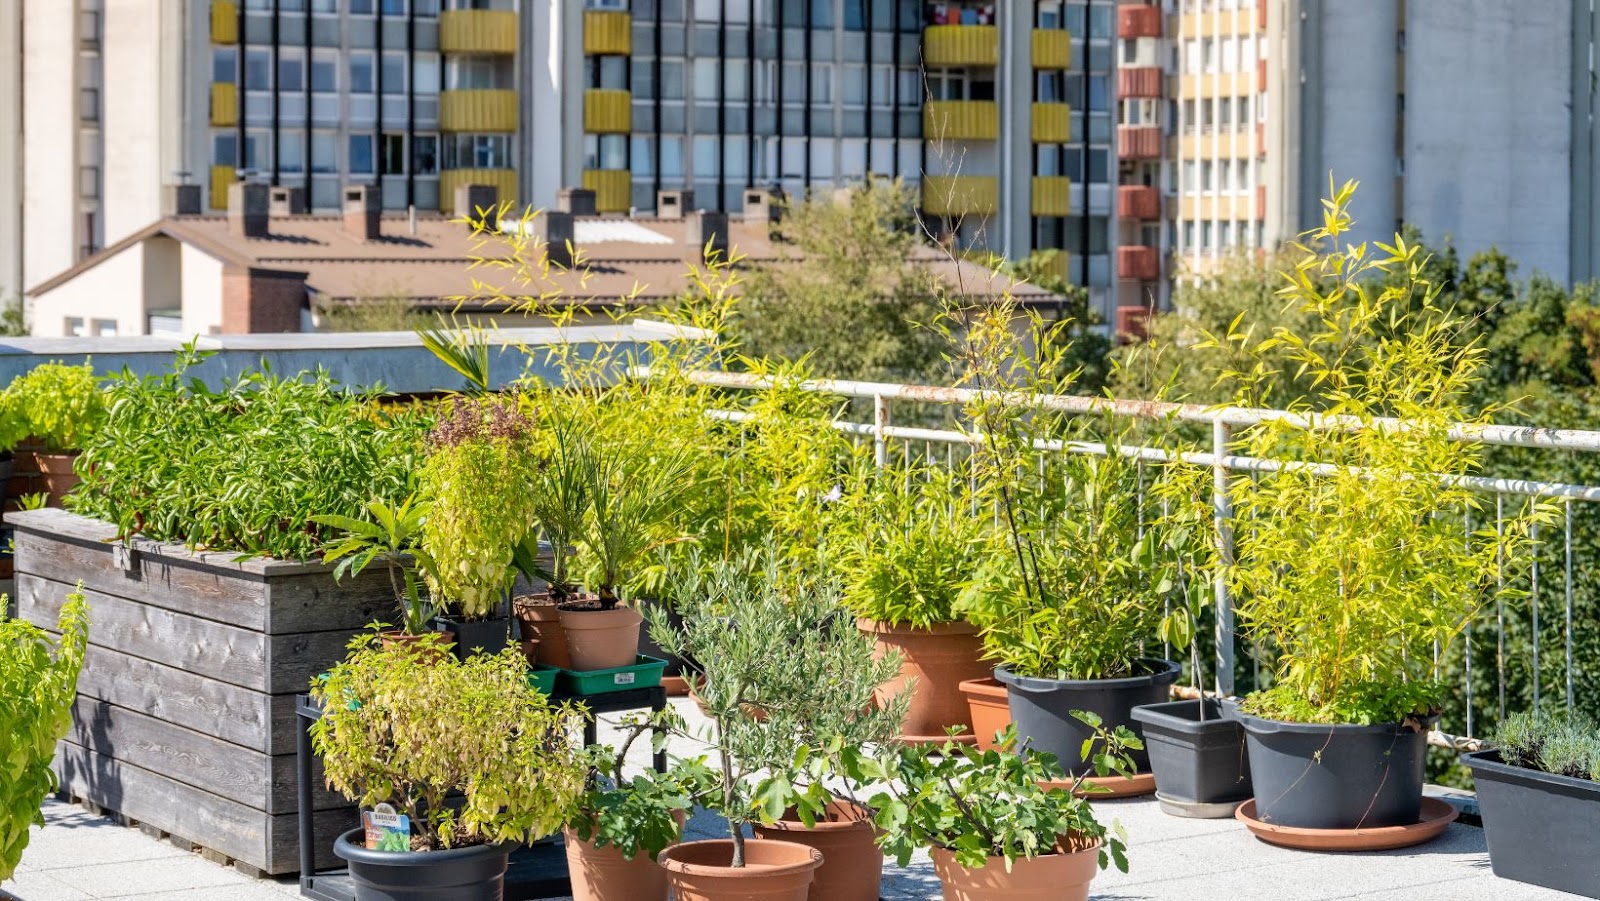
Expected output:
(773, 871)
(990, 711)
(539, 619)
(601, 639)
(933, 664)
(852, 865)
(603, 874)
(435, 654)
(1063, 876)
(59, 476)
(530, 650)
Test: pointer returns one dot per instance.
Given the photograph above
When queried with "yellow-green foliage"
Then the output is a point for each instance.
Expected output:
(36, 693)
(61, 405)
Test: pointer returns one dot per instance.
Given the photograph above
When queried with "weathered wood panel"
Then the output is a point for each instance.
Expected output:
(237, 715)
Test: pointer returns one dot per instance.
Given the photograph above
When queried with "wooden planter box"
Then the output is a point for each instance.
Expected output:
(185, 714)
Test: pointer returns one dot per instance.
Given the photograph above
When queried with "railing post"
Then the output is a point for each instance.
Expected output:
(880, 421)
(1222, 514)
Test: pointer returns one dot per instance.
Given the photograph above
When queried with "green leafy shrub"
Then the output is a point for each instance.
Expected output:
(1558, 744)
(36, 694)
(247, 467)
(387, 535)
(13, 425)
(637, 815)
(410, 726)
(63, 406)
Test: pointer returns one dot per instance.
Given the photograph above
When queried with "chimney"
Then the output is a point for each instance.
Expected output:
(577, 201)
(553, 229)
(181, 200)
(247, 210)
(673, 204)
(363, 205)
(287, 202)
(763, 206)
(707, 232)
(478, 201)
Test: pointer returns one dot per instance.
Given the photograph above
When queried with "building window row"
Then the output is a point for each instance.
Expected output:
(359, 69)
(1216, 237)
(1228, 176)
(365, 153)
(423, 8)
(851, 15)
(1224, 54)
(1217, 113)
(732, 80)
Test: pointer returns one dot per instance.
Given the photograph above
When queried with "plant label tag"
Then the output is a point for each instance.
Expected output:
(623, 679)
(386, 830)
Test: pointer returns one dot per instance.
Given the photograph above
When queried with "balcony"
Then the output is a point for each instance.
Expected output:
(224, 104)
(961, 45)
(477, 31)
(1052, 195)
(1138, 20)
(613, 189)
(1133, 323)
(607, 112)
(1052, 48)
(1139, 142)
(217, 190)
(1261, 76)
(1052, 123)
(960, 195)
(1141, 81)
(1138, 262)
(1139, 202)
(504, 181)
(607, 32)
(961, 120)
(224, 22)
(478, 110)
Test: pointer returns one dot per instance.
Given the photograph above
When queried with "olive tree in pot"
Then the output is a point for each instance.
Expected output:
(904, 543)
(475, 758)
(782, 674)
(1353, 570)
(1539, 796)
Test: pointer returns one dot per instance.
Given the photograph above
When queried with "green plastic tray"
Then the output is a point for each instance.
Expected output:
(543, 678)
(644, 673)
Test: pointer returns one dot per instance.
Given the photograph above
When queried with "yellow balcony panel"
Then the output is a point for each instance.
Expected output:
(959, 195)
(221, 177)
(961, 45)
(1052, 195)
(613, 189)
(224, 103)
(478, 110)
(961, 120)
(224, 22)
(607, 32)
(1052, 123)
(504, 182)
(1052, 48)
(477, 31)
(1058, 265)
(607, 112)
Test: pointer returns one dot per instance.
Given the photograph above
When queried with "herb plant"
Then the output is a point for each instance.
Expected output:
(413, 726)
(62, 406)
(37, 688)
(13, 425)
(388, 535)
(1557, 744)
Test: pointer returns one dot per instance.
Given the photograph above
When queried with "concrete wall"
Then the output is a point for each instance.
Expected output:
(1488, 127)
(131, 116)
(107, 291)
(49, 140)
(202, 292)
(1355, 108)
(11, 278)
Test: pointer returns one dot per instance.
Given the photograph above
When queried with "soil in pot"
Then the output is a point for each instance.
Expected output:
(1063, 876)
(1042, 708)
(59, 475)
(773, 870)
(458, 874)
(598, 638)
(852, 865)
(989, 708)
(1334, 776)
(933, 664)
(538, 618)
(1198, 756)
(1541, 826)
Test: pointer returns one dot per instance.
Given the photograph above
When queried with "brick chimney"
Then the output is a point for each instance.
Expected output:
(287, 202)
(247, 210)
(363, 207)
(181, 200)
(673, 204)
(704, 228)
(577, 201)
(553, 230)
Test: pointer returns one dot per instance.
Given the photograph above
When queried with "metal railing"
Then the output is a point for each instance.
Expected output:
(1222, 421)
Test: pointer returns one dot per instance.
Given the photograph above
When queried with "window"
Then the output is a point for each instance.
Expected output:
(425, 72)
(361, 160)
(361, 7)
(477, 73)
(821, 13)
(1048, 14)
(609, 72)
(671, 157)
(1207, 176)
(392, 154)
(821, 84)
(425, 9)
(325, 7)
(291, 6)
(425, 155)
(734, 159)
(707, 10)
(89, 182)
(258, 70)
(291, 70)
(1225, 112)
(911, 89)
(1189, 175)
(394, 72)
(1188, 114)
(736, 79)
(224, 64)
(1188, 233)
(672, 79)
(1100, 26)
(605, 151)
(705, 157)
(1230, 54)
(1130, 51)
(1207, 114)
(1099, 165)
(258, 151)
(882, 85)
(324, 152)
(1208, 54)
(707, 75)
(104, 328)
(89, 104)
(361, 76)
(794, 82)
(325, 71)
(291, 152)
(477, 152)
(73, 327)
(393, 7)
(224, 149)
(853, 87)
(1049, 87)
(1099, 93)
(643, 159)
(89, 26)
(855, 15)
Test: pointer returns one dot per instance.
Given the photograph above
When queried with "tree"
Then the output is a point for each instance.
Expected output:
(11, 321)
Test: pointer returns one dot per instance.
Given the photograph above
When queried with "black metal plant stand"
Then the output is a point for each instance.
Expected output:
(538, 871)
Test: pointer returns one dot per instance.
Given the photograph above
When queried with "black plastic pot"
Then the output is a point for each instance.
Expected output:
(493, 635)
(459, 874)
(1541, 827)
(1334, 776)
(1198, 757)
(1042, 708)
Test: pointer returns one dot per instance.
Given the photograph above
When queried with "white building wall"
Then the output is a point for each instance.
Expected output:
(1359, 81)
(132, 116)
(202, 292)
(1488, 128)
(108, 291)
(11, 277)
(49, 140)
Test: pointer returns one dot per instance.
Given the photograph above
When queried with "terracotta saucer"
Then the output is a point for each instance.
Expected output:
(676, 686)
(1105, 788)
(1436, 815)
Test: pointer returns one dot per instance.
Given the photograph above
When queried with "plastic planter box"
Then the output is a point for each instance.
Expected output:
(543, 678)
(1200, 764)
(644, 673)
(1541, 827)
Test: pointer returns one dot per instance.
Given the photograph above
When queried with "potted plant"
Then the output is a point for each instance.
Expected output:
(389, 536)
(904, 543)
(471, 761)
(1355, 573)
(779, 672)
(38, 685)
(1198, 756)
(13, 429)
(1539, 796)
(477, 485)
(62, 407)
(560, 504)
(998, 824)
